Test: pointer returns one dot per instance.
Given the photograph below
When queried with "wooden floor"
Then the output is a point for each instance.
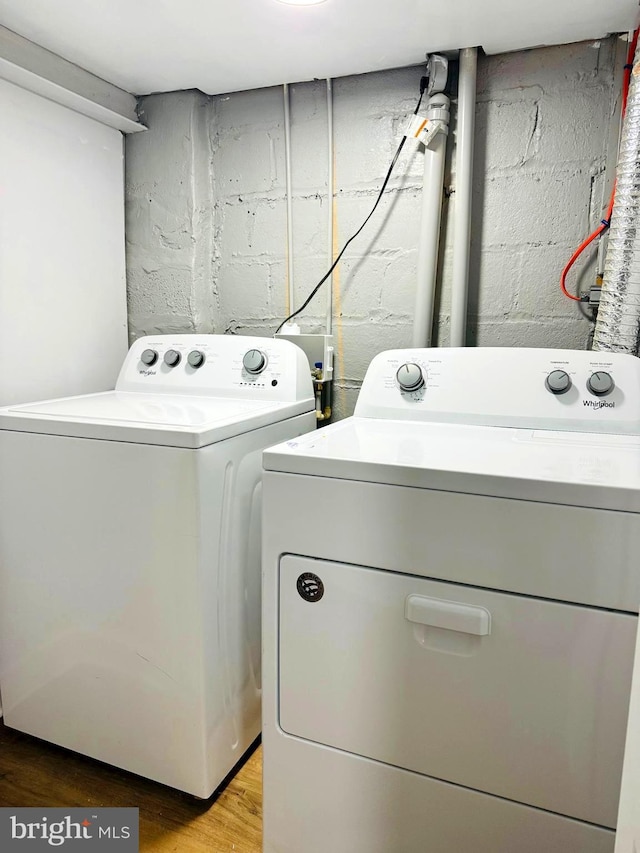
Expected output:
(34, 773)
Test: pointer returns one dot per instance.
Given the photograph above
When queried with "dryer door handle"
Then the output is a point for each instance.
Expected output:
(451, 615)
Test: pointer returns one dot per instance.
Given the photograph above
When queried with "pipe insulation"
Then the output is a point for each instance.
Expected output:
(618, 324)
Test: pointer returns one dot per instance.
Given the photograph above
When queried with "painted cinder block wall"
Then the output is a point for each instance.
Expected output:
(206, 226)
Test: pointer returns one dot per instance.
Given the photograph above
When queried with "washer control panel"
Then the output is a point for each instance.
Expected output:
(219, 365)
(535, 388)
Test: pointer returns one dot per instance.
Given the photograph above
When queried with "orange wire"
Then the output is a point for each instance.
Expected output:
(605, 222)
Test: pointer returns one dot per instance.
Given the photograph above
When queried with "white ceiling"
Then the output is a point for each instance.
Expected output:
(228, 45)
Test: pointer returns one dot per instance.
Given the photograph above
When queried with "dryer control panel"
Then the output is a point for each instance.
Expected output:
(220, 365)
(534, 388)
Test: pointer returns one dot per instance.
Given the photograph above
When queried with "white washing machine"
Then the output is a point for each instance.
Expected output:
(130, 555)
(450, 595)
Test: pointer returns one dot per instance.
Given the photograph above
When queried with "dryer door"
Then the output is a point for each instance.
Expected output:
(515, 696)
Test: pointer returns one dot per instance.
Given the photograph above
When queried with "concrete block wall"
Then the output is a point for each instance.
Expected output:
(207, 213)
(169, 217)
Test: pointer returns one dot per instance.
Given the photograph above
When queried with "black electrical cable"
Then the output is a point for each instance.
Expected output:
(423, 85)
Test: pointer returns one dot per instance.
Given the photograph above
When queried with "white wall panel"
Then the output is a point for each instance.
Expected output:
(63, 326)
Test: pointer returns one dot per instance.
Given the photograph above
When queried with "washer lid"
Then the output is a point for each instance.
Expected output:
(578, 469)
(173, 420)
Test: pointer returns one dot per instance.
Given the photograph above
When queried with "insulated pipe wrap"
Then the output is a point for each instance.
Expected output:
(618, 324)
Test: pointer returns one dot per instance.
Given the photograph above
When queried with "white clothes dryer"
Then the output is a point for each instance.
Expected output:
(450, 593)
(628, 828)
(130, 556)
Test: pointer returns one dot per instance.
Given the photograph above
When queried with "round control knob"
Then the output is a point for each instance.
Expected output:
(149, 357)
(558, 382)
(254, 361)
(600, 383)
(172, 358)
(410, 377)
(196, 358)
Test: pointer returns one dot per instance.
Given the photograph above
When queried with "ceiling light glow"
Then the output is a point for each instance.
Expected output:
(301, 2)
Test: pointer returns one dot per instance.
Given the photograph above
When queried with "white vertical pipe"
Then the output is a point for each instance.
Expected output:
(329, 321)
(432, 185)
(465, 123)
(287, 155)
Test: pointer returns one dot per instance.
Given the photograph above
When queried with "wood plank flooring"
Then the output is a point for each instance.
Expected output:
(35, 773)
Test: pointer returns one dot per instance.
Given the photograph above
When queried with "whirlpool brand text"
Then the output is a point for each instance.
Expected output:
(598, 404)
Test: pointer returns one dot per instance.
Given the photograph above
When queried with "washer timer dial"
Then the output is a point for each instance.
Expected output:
(254, 361)
(196, 358)
(410, 377)
(600, 383)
